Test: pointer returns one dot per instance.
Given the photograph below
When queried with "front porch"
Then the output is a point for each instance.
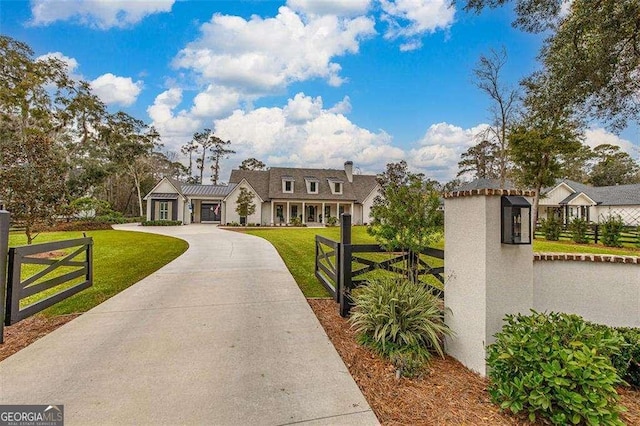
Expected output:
(311, 213)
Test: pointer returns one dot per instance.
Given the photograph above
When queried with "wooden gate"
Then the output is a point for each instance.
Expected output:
(341, 266)
(73, 267)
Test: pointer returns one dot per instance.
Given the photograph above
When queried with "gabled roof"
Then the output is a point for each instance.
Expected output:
(616, 195)
(268, 184)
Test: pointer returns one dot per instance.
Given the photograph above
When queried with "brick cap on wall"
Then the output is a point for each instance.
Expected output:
(587, 257)
(490, 192)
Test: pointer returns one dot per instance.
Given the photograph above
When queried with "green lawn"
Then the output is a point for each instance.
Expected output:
(121, 258)
(297, 248)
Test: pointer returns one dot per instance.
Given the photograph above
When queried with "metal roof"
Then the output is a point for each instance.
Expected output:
(206, 190)
(164, 196)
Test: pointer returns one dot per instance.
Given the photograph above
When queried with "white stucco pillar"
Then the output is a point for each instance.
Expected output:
(484, 279)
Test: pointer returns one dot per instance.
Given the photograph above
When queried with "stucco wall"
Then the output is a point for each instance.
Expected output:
(601, 289)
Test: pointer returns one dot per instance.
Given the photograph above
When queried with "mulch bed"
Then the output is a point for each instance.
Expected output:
(449, 394)
(29, 330)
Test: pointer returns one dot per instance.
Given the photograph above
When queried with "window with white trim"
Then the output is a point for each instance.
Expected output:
(312, 185)
(336, 186)
(164, 210)
(287, 186)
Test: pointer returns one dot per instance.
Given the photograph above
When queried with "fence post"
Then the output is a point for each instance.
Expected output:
(4, 248)
(345, 265)
(596, 236)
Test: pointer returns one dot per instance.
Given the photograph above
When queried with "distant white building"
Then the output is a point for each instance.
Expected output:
(280, 195)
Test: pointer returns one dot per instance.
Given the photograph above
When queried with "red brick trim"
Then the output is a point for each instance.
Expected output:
(490, 192)
(584, 257)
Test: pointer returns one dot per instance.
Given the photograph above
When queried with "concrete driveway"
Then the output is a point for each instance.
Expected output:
(221, 335)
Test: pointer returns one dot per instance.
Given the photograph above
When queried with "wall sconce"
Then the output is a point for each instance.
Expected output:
(516, 220)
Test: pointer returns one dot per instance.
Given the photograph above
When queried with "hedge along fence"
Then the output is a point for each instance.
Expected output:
(630, 234)
(604, 289)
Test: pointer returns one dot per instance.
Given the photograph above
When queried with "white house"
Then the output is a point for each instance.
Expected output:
(568, 199)
(280, 195)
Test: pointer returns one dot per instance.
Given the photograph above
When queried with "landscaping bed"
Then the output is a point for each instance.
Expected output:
(449, 394)
(27, 331)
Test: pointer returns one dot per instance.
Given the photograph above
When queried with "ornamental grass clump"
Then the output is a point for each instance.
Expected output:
(400, 320)
(555, 366)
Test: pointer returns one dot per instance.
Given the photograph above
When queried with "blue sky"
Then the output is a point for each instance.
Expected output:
(292, 82)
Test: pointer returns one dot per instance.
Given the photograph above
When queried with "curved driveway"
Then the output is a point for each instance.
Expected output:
(221, 335)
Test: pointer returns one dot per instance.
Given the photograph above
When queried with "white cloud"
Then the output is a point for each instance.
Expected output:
(342, 107)
(599, 136)
(102, 14)
(304, 133)
(260, 56)
(72, 63)
(439, 150)
(411, 19)
(175, 128)
(114, 90)
(331, 7)
(215, 102)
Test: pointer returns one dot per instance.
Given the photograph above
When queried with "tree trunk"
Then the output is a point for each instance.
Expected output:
(136, 181)
(204, 154)
(534, 208)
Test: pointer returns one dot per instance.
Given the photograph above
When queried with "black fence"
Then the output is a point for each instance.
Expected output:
(71, 264)
(335, 262)
(629, 235)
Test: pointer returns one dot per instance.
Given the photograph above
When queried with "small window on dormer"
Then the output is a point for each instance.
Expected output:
(312, 185)
(336, 186)
(287, 185)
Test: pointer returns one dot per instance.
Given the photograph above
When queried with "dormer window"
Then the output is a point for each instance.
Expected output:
(336, 186)
(312, 185)
(287, 185)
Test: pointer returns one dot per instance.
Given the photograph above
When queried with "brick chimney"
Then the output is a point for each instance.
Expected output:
(348, 169)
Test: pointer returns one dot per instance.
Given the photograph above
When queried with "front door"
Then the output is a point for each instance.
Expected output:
(210, 212)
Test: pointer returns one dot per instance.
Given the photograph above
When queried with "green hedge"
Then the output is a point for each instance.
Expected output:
(556, 366)
(161, 223)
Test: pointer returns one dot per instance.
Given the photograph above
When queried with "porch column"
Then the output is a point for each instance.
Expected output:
(351, 213)
(272, 203)
(338, 211)
(323, 215)
(288, 212)
(304, 213)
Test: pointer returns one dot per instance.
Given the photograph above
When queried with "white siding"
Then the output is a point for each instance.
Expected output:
(556, 195)
(165, 187)
(367, 204)
(230, 206)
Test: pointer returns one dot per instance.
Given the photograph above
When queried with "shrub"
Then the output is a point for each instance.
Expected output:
(332, 221)
(400, 320)
(75, 225)
(612, 231)
(578, 228)
(295, 221)
(551, 228)
(555, 366)
(161, 223)
(627, 360)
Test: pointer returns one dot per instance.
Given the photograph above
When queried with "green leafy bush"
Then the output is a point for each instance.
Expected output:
(551, 228)
(161, 223)
(295, 221)
(612, 231)
(555, 366)
(332, 221)
(626, 361)
(578, 228)
(400, 320)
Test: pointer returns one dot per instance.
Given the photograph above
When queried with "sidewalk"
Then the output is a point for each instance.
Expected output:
(220, 336)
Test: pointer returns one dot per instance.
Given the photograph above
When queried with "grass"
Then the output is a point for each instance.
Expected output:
(121, 258)
(296, 246)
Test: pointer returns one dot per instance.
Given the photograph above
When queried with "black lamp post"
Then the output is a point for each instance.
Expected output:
(515, 220)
